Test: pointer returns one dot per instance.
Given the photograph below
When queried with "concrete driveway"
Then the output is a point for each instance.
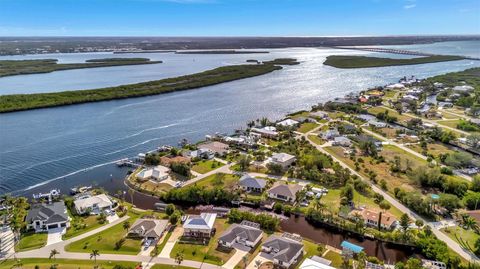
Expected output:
(55, 235)
(258, 259)
(235, 259)
(112, 218)
(6, 242)
(177, 233)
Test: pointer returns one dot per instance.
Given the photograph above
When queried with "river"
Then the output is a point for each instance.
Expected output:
(72, 145)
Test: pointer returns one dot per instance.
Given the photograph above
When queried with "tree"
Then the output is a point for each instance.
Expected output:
(346, 194)
(244, 162)
(458, 159)
(131, 192)
(170, 209)
(53, 253)
(126, 225)
(173, 219)
(449, 201)
(179, 258)
(94, 255)
(384, 205)
(404, 222)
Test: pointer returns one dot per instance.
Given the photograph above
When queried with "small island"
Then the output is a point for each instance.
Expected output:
(353, 61)
(219, 52)
(18, 102)
(24, 67)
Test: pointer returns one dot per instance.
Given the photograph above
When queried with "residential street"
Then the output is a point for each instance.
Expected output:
(441, 236)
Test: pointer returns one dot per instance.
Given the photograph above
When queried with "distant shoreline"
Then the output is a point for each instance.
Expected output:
(353, 61)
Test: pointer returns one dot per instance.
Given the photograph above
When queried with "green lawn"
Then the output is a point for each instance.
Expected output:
(310, 249)
(401, 118)
(466, 238)
(44, 263)
(307, 126)
(208, 253)
(91, 223)
(317, 140)
(206, 166)
(105, 241)
(31, 240)
(335, 257)
(219, 180)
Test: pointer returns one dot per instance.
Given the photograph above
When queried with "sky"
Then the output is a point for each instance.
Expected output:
(238, 17)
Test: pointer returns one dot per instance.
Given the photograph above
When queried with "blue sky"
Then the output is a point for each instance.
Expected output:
(237, 17)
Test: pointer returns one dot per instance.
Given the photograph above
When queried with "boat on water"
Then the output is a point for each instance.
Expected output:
(77, 190)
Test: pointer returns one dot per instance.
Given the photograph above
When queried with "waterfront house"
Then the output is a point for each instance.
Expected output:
(284, 251)
(93, 204)
(252, 184)
(316, 262)
(45, 217)
(199, 226)
(245, 236)
(267, 132)
(319, 114)
(288, 123)
(200, 153)
(284, 192)
(148, 229)
(372, 217)
(283, 159)
(218, 148)
(157, 173)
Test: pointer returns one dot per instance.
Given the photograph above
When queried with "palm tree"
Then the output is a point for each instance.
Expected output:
(53, 253)
(131, 192)
(469, 222)
(94, 255)
(179, 258)
(245, 260)
(126, 225)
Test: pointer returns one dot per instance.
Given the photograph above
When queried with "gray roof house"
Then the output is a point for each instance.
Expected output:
(152, 229)
(283, 250)
(44, 217)
(252, 184)
(284, 192)
(244, 236)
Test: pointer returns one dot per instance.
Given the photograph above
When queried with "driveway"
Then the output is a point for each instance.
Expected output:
(259, 259)
(235, 259)
(112, 218)
(177, 233)
(6, 242)
(55, 235)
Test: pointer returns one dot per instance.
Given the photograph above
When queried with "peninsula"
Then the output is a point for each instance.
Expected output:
(18, 102)
(23, 67)
(220, 52)
(352, 61)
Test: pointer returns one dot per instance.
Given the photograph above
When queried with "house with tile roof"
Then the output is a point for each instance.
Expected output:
(372, 217)
(148, 229)
(252, 184)
(93, 204)
(284, 192)
(284, 251)
(245, 236)
(44, 217)
(282, 159)
(199, 226)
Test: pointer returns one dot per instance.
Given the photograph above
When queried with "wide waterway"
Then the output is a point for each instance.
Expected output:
(73, 145)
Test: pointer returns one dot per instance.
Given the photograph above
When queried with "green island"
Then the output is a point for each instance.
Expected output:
(24, 67)
(18, 102)
(353, 61)
(220, 52)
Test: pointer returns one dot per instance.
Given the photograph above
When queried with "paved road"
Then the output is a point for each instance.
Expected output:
(441, 236)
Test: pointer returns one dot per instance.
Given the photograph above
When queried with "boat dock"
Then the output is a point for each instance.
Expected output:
(127, 163)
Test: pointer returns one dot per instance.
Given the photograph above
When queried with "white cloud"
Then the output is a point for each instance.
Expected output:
(409, 6)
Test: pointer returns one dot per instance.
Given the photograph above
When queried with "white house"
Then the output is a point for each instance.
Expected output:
(148, 229)
(157, 173)
(93, 204)
(44, 217)
(247, 234)
(342, 141)
(199, 226)
(283, 159)
(288, 123)
(284, 250)
(377, 124)
(316, 262)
